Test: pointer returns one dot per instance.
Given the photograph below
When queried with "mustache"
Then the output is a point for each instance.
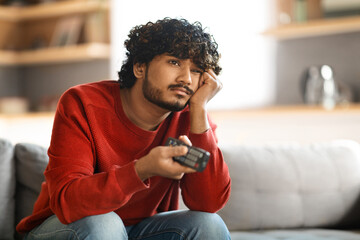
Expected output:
(188, 90)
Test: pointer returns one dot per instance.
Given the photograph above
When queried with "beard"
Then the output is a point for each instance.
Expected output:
(156, 96)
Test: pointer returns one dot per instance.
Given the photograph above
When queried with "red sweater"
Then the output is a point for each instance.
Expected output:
(91, 168)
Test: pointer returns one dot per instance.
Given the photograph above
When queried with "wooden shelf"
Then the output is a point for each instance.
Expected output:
(276, 124)
(74, 53)
(315, 28)
(285, 124)
(57, 9)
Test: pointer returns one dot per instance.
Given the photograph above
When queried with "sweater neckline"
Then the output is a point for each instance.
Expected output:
(129, 124)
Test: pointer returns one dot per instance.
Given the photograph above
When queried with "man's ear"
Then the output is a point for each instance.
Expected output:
(139, 70)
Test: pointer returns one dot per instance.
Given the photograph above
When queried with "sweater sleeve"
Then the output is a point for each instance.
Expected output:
(75, 190)
(209, 190)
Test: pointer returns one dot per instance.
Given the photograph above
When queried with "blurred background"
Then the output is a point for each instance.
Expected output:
(291, 68)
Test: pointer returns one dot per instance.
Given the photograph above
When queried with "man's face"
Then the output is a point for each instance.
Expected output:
(170, 82)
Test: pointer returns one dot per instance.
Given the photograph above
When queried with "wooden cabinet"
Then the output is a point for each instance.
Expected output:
(314, 25)
(62, 31)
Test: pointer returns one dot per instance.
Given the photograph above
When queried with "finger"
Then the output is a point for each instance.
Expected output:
(189, 170)
(176, 151)
(212, 76)
(202, 80)
(185, 169)
(209, 77)
(211, 73)
(185, 139)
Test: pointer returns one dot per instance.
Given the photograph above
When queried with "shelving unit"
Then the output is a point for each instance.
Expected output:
(18, 17)
(76, 53)
(294, 19)
(315, 28)
(81, 52)
(57, 9)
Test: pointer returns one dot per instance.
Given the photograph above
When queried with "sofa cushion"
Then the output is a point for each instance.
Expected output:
(7, 190)
(31, 161)
(291, 186)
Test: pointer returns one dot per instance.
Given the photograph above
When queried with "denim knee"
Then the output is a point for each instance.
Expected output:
(208, 226)
(104, 226)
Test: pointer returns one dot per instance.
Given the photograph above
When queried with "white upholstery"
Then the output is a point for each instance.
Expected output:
(293, 186)
(7, 190)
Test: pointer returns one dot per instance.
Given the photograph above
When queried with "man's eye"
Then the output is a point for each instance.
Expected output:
(174, 62)
(197, 71)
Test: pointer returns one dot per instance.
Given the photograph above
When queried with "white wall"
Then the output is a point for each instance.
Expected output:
(28, 128)
(246, 55)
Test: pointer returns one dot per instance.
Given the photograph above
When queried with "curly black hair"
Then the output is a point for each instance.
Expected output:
(176, 37)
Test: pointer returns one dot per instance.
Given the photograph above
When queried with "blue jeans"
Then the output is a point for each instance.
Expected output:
(174, 225)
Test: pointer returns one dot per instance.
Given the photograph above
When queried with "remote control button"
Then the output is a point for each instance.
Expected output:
(181, 158)
(190, 163)
(192, 157)
(193, 151)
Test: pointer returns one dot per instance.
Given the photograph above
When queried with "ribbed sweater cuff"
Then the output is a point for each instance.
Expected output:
(128, 179)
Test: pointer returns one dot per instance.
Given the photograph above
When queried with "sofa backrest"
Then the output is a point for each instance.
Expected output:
(7, 190)
(292, 185)
(31, 161)
(273, 186)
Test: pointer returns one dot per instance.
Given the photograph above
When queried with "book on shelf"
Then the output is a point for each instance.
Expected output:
(9, 36)
(67, 31)
(293, 11)
(97, 27)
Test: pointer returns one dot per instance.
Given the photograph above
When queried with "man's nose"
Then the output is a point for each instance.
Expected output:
(185, 76)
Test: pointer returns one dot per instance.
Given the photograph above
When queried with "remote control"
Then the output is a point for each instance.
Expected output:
(196, 158)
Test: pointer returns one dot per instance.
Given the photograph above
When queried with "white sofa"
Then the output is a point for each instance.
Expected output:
(283, 191)
(294, 191)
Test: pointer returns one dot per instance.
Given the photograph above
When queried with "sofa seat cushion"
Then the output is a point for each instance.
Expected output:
(293, 186)
(7, 190)
(301, 234)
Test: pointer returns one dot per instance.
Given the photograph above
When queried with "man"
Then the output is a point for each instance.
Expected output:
(110, 175)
